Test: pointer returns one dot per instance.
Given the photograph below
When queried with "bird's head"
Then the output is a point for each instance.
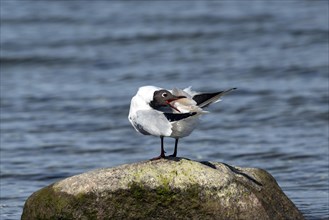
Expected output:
(162, 98)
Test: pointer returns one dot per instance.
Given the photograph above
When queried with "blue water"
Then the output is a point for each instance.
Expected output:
(70, 68)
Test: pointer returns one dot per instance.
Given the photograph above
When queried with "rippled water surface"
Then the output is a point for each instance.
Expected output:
(70, 68)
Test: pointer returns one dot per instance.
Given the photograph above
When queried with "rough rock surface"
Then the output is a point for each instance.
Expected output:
(174, 188)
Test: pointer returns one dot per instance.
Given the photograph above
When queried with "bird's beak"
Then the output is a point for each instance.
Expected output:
(174, 99)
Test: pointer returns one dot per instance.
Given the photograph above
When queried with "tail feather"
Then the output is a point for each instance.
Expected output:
(205, 99)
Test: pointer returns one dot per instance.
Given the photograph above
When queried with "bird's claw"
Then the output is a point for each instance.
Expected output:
(159, 157)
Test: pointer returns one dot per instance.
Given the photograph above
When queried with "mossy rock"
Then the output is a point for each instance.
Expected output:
(173, 188)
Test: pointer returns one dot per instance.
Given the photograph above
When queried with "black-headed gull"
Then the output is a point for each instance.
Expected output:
(169, 113)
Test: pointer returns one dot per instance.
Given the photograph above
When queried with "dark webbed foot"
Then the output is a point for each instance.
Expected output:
(158, 158)
(172, 155)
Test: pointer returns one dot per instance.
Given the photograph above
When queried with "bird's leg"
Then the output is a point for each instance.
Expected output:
(175, 150)
(162, 154)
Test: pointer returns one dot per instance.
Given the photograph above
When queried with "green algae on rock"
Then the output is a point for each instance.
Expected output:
(173, 188)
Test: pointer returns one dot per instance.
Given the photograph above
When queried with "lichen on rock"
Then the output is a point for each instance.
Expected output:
(173, 188)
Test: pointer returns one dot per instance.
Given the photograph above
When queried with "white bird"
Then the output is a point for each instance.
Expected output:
(169, 113)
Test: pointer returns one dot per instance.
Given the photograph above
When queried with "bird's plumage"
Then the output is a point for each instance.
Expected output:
(169, 113)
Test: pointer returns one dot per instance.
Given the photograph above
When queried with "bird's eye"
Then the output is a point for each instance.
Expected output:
(164, 94)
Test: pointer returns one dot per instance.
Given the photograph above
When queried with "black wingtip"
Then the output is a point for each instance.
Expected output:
(178, 116)
(229, 90)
